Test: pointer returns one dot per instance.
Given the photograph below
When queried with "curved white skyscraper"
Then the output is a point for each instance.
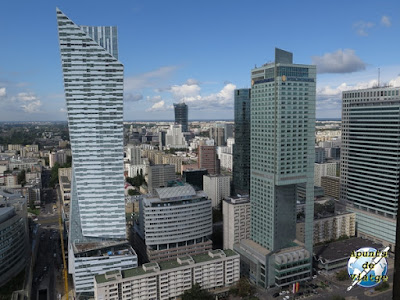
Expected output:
(93, 85)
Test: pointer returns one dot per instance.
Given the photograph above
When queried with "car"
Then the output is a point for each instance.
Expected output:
(286, 297)
(315, 276)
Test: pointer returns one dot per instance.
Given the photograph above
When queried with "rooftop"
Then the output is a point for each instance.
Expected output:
(177, 192)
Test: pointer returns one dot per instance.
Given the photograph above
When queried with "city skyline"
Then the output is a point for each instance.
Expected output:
(201, 64)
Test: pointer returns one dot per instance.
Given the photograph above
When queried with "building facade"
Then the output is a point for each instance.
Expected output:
(370, 160)
(174, 137)
(159, 175)
(207, 159)
(331, 186)
(175, 221)
(217, 187)
(282, 155)
(93, 85)
(181, 115)
(241, 148)
(169, 280)
(236, 220)
(324, 169)
(134, 155)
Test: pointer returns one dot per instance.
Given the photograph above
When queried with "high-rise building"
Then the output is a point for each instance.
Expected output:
(217, 187)
(134, 155)
(236, 225)
(241, 148)
(218, 135)
(282, 155)
(93, 85)
(207, 159)
(181, 116)
(370, 160)
(174, 137)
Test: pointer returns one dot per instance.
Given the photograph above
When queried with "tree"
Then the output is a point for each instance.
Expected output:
(244, 288)
(196, 293)
(342, 275)
(133, 192)
(21, 178)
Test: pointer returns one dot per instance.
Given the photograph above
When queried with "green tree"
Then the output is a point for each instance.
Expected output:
(244, 288)
(133, 192)
(342, 275)
(196, 293)
(382, 287)
(21, 178)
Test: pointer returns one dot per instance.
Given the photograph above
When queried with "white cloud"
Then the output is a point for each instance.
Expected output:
(362, 27)
(159, 106)
(3, 92)
(341, 61)
(149, 79)
(26, 97)
(154, 99)
(395, 82)
(185, 90)
(32, 106)
(63, 110)
(385, 21)
(192, 81)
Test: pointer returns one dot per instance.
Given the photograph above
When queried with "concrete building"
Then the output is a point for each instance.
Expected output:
(134, 155)
(173, 160)
(170, 279)
(60, 157)
(217, 187)
(370, 161)
(94, 98)
(14, 244)
(325, 169)
(282, 155)
(207, 159)
(14, 147)
(218, 135)
(175, 221)
(241, 148)
(331, 186)
(329, 228)
(159, 175)
(174, 138)
(181, 116)
(236, 220)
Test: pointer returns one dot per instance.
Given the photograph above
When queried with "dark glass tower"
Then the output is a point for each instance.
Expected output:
(241, 148)
(181, 115)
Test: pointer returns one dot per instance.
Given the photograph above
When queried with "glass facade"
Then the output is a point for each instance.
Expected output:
(181, 115)
(241, 148)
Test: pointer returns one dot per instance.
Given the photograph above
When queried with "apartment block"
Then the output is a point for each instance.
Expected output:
(159, 175)
(331, 186)
(217, 187)
(236, 220)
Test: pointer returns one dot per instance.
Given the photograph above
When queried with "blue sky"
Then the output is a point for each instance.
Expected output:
(197, 51)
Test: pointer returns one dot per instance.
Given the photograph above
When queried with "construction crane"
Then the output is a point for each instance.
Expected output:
(65, 273)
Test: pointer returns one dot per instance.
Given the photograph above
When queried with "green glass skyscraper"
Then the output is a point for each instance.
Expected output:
(241, 148)
(281, 156)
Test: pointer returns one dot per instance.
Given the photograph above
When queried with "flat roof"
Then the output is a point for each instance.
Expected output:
(342, 249)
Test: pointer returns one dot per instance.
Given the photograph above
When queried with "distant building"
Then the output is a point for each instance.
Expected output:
(60, 157)
(236, 220)
(330, 228)
(194, 177)
(181, 116)
(324, 169)
(218, 135)
(134, 155)
(207, 159)
(174, 137)
(217, 187)
(331, 186)
(170, 279)
(241, 148)
(14, 242)
(333, 153)
(14, 147)
(319, 155)
(159, 175)
(175, 221)
(370, 161)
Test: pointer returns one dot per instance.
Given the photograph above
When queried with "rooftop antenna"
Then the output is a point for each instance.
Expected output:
(379, 77)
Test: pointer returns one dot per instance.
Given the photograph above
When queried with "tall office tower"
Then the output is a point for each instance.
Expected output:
(218, 135)
(241, 148)
(93, 85)
(134, 155)
(174, 221)
(282, 156)
(370, 160)
(181, 116)
(207, 159)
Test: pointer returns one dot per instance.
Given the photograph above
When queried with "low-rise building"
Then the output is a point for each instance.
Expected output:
(330, 228)
(236, 220)
(159, 176)
(170, 279)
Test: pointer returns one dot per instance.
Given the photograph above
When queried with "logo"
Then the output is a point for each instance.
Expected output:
(368, 267)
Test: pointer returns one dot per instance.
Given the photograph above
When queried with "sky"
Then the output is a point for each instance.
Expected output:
(198, 51)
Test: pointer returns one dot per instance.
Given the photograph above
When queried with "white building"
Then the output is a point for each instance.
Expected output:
(134, 155)
(170, 279)
(93, 85)
(175, 221)
(236, 216)
(174, 137)
(217, 187)
(226, 161)
(325, 169)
